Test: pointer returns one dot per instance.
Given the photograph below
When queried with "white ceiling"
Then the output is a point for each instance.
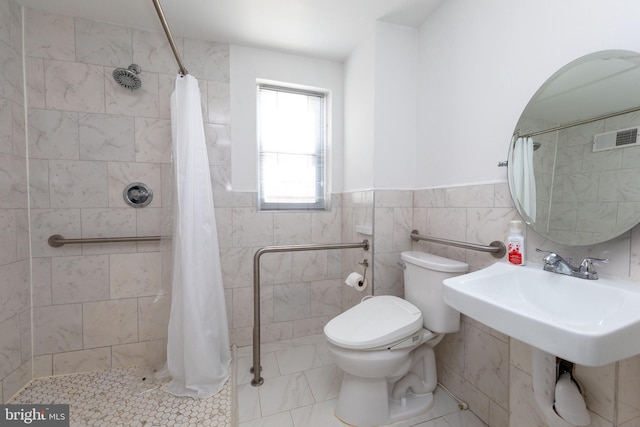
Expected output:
(321, 28)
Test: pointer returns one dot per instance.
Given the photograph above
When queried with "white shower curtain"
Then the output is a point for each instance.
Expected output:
(198, 353)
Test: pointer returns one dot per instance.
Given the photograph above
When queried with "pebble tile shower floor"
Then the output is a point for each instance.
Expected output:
(129, 396)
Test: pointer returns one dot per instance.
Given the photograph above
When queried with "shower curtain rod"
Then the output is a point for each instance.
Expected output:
(167, 31)
(578, 123)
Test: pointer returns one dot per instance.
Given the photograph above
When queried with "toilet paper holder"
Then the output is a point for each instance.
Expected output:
(365, 264)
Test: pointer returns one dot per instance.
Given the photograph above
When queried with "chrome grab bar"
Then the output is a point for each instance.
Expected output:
(256, 368)
(57, 240)
(496, 248)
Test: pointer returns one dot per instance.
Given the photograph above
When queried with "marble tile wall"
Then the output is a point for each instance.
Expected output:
(594, 187)
(300, 291)
(488, 369)
(15, 291)
(393, 222)
(357, 210)
(474, 362)
(97, 306)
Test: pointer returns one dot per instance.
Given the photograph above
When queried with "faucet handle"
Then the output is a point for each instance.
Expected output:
(587, 263)
(587, 270)
(551, 257)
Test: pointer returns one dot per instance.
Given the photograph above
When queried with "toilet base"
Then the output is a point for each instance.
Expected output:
(364, 402)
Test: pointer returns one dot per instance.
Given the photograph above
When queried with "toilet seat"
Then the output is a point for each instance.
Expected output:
(375, 322)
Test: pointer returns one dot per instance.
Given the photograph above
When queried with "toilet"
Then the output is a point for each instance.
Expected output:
(385, 345)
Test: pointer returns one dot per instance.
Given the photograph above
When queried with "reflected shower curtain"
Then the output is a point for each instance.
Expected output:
(198, 354)
(522, 176)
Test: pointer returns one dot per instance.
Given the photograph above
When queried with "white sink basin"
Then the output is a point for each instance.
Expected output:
(588, 322)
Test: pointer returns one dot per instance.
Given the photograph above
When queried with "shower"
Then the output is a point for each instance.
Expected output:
(128, 77)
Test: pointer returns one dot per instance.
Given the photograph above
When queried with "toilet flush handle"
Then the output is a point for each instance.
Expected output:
(402, 265)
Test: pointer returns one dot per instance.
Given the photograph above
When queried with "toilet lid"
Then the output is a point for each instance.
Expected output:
(373, 323)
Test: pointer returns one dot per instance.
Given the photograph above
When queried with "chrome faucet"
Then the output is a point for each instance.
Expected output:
(556, 264)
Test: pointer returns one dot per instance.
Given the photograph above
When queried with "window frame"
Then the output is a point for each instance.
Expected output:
(322, 170)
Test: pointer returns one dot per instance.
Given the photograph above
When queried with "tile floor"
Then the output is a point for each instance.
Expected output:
(128, 397)
(300, 389)
(301, 386)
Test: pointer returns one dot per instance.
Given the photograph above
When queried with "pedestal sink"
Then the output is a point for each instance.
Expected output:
(588, 322)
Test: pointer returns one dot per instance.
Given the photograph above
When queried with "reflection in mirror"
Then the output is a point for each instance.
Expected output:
(574, 159)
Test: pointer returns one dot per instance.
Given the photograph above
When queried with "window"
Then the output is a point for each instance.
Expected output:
(292, 129)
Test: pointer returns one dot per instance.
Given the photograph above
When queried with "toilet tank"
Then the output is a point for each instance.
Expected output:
(423, 276)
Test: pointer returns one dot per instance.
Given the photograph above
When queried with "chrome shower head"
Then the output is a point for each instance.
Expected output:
(128, 77)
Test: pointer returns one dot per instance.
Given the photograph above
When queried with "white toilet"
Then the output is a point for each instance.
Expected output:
(385, 345)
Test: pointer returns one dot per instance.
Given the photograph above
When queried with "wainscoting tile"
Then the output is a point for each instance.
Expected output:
(487, 364)
(252, 228)
(629, 390)
(475, 196)
(237, 267)
(291, 301)
(292, 228)
(325, 298)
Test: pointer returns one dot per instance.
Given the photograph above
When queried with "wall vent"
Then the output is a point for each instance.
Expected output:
(615, 139)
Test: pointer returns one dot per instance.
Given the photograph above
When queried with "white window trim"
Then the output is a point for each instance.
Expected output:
(323, 190)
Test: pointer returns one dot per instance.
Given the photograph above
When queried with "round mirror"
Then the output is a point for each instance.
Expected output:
(574, 158)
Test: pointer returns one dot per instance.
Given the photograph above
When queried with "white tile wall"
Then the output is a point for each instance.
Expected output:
(89, 138)
(15, 294)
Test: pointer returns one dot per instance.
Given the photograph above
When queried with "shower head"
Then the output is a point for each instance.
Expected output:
(128, 77)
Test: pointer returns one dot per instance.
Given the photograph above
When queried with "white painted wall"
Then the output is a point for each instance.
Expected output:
(480, 62)
(359, 117)
(250, 64)
(380, 110)
(396, 101)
